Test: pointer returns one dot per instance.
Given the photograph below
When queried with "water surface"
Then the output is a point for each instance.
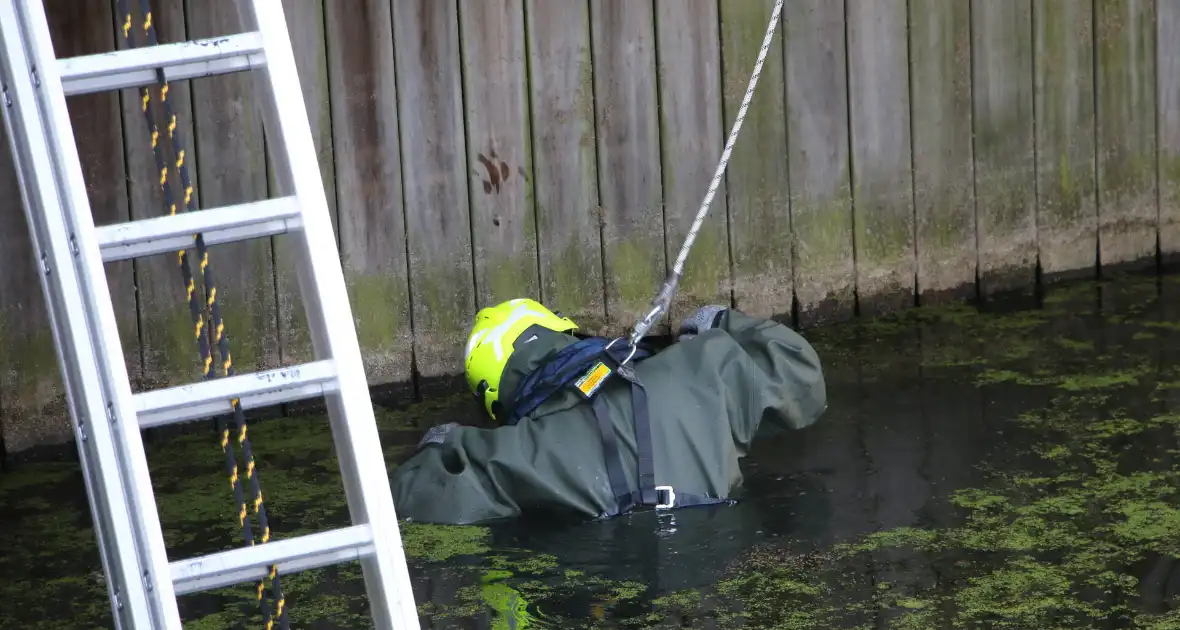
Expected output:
(1013, 469)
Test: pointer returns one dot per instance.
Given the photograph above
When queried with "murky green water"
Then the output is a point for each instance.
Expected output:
(975, 470)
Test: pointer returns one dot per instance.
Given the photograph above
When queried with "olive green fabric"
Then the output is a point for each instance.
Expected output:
(707, 397)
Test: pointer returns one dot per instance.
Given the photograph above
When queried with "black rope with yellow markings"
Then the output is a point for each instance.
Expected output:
(214, 333)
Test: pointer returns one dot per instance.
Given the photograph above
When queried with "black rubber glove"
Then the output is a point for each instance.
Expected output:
(436, 434)
(703, 319)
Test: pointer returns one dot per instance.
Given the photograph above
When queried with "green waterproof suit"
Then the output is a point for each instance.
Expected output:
(707, 396)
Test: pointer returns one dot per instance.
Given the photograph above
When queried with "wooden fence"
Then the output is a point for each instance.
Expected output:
(479, 150)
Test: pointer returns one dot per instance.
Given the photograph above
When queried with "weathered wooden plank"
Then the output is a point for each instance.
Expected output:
(1005, 169)
(565, 180)
(305, 23)
(1127, 209)
(944, 198)
(438, 226)
(1064, 108)
(629, 169)
(878, 68)
(818, 159)
(33, 410)
(231, 166)
(170, 354)
(1168, 58)
(757, 182)
(689, 79)
(499, 151)
(368, 168)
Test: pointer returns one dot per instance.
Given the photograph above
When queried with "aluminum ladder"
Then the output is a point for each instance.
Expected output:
(107, 417)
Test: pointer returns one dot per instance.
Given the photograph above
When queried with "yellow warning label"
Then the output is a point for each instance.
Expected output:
(592, 380)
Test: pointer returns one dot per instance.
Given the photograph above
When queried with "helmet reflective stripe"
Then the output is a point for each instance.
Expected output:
(496, 335)
(474, 341)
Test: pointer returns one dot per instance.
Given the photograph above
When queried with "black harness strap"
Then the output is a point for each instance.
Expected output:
(610, 452)
(643, 444)
(584, 367)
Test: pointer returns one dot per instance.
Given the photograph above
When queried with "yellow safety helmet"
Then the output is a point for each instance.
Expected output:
(491, 343)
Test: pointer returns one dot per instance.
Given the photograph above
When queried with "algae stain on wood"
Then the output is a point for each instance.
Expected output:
(1005, 170)
(757, 176)
(1064, 106)
(880, 139)
(944, 199)
(433, 154)
(499, 153)
(565, 181)
(305, 22)
(818, 160)
(623, 44)
(1127, 209)
(1168, 95)
(368, 169)
(689, 80)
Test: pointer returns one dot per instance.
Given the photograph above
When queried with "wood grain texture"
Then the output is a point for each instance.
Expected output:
(32, 400)
(170, 355)
(1127, 208)
(434, 167)
(499, 150)
(1005, 168)
(366, 144)
(819, 161)
(757, 177)
(565, 179)
(629, 169)
(36, 408)
(692, 138)
(1064, 108)
(944, 196)
(1168, 93)
(305, 23)
(878, 80)
(231, 167)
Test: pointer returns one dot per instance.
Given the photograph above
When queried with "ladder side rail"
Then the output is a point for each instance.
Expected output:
(94, 295)
(91, 477)
(326, 302)
(59, 283)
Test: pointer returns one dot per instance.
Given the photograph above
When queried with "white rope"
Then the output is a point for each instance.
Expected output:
(664, 298)
(733, 135)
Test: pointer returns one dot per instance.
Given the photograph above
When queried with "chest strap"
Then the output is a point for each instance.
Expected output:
(648, 493)
(586, 366)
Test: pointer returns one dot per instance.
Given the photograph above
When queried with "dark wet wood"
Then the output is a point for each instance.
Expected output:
(882, 176)
(499, 152)
(231, 169)
(629, 169)
(438, 226)
(1005, 169)
(366, 144)
(565, 160)
(1067, 236)
(758, 188)
(693, 137)
(944, 195)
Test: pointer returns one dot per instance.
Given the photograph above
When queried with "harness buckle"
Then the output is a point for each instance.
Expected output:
(665, 491)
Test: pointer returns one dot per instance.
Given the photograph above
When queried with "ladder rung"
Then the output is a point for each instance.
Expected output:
(212, 398)
(292, 555)
(135, 67)
(172, 233)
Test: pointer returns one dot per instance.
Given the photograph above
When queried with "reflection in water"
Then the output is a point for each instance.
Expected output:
(975, 469)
